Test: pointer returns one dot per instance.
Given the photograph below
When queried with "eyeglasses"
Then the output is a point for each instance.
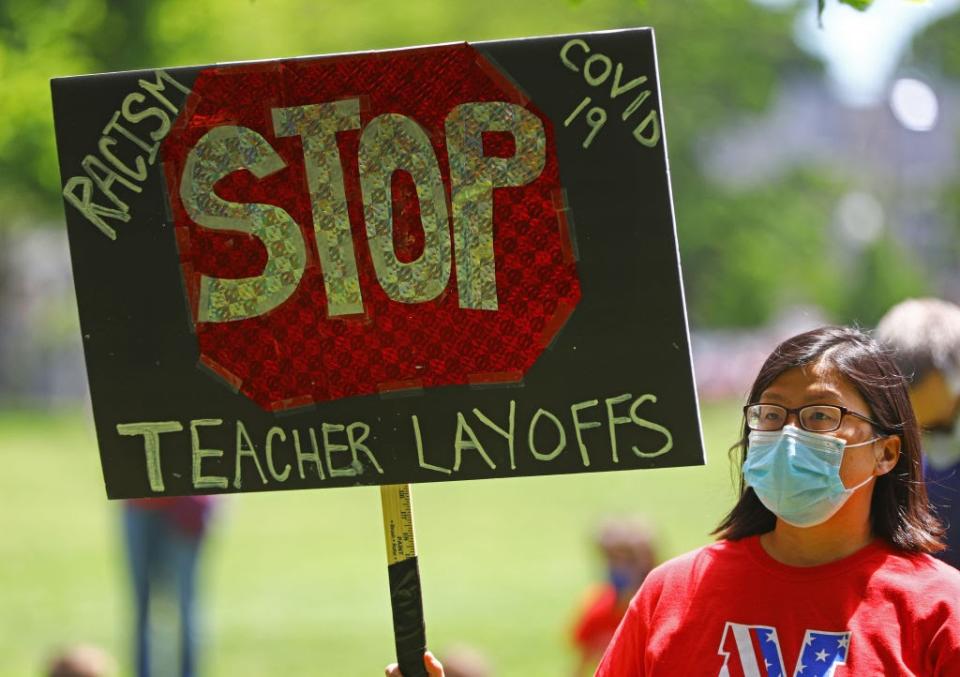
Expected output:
(815, 418)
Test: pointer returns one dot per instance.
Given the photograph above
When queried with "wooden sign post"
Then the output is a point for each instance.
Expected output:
(419, 265)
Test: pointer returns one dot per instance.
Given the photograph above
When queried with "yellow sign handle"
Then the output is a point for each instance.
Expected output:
(398, 522)
(406, 601)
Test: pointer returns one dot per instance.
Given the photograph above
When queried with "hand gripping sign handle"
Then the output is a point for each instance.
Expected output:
(409, 630)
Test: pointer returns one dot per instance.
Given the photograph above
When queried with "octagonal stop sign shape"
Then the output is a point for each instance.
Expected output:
(367, 223)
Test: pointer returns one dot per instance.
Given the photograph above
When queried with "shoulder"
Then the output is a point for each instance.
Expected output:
(686, 570)
(921, 573)
(721, 553)
(926, 594)
(921, 586)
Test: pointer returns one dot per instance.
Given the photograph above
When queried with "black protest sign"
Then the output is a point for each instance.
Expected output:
(440, 263)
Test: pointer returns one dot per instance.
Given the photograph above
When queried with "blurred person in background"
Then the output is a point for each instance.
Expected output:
(81, 660)
(164, 538)
(629, 553)
(924, 335)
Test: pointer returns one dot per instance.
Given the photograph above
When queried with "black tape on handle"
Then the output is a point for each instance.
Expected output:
(409, 630)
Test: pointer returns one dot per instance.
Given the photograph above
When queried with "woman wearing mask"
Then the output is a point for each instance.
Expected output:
(823, 566)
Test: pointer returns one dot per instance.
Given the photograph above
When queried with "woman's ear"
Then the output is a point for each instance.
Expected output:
(890, 454)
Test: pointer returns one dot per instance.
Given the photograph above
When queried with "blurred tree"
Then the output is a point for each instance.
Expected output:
(856, 4)
(884, 275)
(758, 250)
(937, 52)
(40, 40)
(745, 253)
(709, 79)
(937, 49)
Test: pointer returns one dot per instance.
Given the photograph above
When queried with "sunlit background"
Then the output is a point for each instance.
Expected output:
(816, 175)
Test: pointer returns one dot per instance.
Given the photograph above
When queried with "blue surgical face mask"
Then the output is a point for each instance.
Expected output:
(796, 474)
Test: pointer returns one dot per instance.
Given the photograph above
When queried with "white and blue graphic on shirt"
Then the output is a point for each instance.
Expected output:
(754, 651)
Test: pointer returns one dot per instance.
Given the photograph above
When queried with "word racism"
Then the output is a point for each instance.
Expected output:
(140, 119)
(346, 449)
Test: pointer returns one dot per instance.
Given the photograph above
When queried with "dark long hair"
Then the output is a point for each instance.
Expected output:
(899, 511)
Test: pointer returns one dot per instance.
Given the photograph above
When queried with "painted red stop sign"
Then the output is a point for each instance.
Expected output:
(282, 177)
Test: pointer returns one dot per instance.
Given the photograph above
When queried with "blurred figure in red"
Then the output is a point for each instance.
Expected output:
(163, 541)
(629, 552)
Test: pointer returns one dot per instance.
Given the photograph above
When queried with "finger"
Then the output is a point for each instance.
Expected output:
(434, 667)
(393, 670)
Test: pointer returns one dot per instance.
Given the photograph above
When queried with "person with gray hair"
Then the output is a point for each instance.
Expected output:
(924, 336)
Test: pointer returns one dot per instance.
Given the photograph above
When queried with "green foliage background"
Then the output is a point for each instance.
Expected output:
(939, 51)
(746, 253)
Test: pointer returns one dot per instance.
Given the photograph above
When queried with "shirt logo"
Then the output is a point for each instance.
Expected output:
(754, 651)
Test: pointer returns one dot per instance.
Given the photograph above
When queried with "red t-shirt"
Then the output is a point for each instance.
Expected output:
(598, 621)
(731, 610)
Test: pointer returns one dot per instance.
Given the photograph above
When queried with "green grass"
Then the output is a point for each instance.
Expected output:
(295, 582)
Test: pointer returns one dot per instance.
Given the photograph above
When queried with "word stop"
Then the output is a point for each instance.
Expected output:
(388, 143)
